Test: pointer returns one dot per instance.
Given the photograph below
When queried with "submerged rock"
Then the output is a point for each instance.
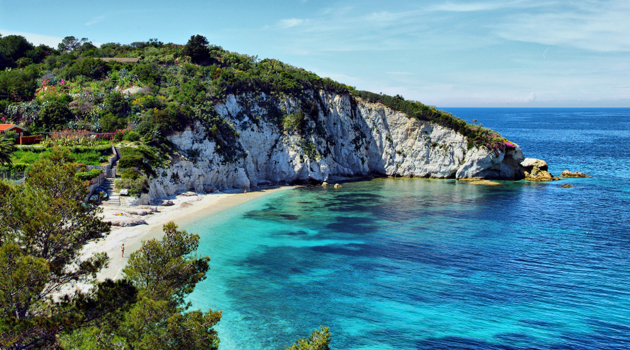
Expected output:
(567, 173)
(484, 182)
(566, 186)
(337, 186)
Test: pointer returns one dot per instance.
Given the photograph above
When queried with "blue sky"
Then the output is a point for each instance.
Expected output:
(445, 53)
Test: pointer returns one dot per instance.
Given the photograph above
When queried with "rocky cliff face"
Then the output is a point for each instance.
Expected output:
(349, 140)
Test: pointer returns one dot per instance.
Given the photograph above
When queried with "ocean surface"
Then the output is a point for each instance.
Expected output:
(439, 264)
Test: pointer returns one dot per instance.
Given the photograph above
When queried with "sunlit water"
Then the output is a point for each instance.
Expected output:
(439, 264)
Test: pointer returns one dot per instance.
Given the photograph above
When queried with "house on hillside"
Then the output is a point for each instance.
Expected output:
(12, 127)
(21, 139)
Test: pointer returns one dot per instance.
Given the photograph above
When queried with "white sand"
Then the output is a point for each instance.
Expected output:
(197, 207)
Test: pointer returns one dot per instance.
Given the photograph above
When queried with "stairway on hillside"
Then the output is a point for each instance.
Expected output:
(113, 198)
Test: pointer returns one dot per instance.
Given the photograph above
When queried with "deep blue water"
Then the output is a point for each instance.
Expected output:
(439, 264)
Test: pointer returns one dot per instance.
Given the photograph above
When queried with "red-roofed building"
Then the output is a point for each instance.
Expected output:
(11, 127)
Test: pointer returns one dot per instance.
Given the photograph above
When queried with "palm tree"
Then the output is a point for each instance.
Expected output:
(7, 147)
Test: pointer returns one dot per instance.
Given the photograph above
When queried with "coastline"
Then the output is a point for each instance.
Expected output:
(186, 209)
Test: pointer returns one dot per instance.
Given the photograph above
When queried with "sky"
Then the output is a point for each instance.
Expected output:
(534, 53)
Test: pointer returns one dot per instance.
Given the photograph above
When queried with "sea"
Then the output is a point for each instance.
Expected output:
(399, 263)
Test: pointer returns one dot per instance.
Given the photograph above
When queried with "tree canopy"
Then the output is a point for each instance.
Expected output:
(197, 49)
(43, 226)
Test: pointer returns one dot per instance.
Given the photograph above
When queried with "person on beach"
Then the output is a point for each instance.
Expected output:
(123, 250)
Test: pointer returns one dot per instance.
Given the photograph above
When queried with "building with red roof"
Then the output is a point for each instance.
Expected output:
(12, 127)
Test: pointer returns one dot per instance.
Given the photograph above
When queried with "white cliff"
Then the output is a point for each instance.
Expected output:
(349, 140)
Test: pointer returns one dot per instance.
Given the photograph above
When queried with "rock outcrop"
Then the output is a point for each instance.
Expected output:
(567, 173)
(537, 170)
(350, 139)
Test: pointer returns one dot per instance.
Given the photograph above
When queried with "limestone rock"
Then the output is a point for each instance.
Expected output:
(167, 203)
(140, 212)
(242, 181)
(539, 175)
(128, 223)
(354, 138)
(530, 163)
(567, 173)
(536, 170)
(209, 189)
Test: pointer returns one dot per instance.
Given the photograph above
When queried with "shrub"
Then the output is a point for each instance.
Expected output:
(131, 174)
(132, 136)
(116, 104)
(11, 135)
(88, 67)
(295, 122)
(197, 49)
(135, 186)
(111, 122)
(88, 175)
(142, 158)
(19, 84)
(54, 115)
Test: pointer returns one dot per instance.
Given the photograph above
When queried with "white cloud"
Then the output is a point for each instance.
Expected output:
(95, 20)
(468, 7)
(601, 26)
(36, 39)
(288, 23)
(530, 98)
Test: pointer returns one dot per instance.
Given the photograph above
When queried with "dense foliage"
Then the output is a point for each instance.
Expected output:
(75, 90)
(163, 272)
(88, 175)
(44, 225)
(95, 155)
(319, 340)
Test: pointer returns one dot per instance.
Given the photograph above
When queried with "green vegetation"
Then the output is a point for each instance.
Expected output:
(7, 148)
(163, 272)
(477, 135)
(143, 158)
(319, 340)
(88, 175)
(44, 226)
(84, 155)
(73, 92)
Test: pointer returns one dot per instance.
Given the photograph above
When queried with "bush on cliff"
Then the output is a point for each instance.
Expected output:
(175, 86)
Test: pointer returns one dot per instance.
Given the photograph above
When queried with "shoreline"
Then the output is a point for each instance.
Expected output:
(186, 210)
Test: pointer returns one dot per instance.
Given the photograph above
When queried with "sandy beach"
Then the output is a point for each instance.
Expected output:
(186, 209)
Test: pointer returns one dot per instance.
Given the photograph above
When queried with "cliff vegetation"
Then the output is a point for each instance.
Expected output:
(145, 91)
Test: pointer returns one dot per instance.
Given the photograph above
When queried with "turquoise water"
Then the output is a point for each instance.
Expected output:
(438, 264)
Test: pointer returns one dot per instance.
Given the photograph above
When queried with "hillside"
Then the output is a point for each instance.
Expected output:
(197, 115)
